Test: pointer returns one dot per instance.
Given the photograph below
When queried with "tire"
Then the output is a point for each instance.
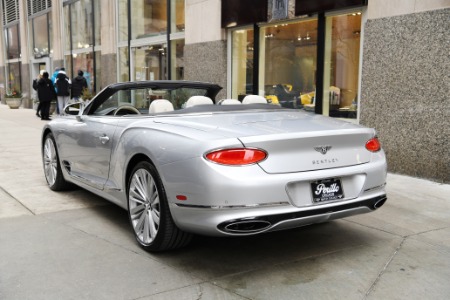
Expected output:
(52, 166)
(149, 213)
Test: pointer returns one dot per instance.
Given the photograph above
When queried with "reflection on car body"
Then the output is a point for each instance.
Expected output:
(181, 163)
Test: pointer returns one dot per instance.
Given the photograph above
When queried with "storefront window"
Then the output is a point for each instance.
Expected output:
(150, 63)
(40, 30)
(13, 71)
(148, 18)
(341, 74)
(177, 59)
(67, 28)
(12, 42)
(288, 59)
(124, 65)
(177, 15)
(82, 27)
(123, 20)
(242, 66)
(85, 63)
(68, 65)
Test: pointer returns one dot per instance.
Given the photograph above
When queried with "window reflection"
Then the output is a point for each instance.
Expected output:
(342, 65)
(150, 62)
(178, 12)
(40, 26)
(12, 42)
(242, 65)
(177, 59)
(82, 27)
(288, 62)
(148, 18)
(13, 71)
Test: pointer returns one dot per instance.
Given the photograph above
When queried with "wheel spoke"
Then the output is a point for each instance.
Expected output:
(144, 205)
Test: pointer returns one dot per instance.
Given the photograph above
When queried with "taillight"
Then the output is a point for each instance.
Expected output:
(236, 156)
(373, 145)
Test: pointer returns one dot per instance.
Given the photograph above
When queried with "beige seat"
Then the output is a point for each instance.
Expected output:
(229, 102)
(253, 99)
(198, 100)
(159, 106)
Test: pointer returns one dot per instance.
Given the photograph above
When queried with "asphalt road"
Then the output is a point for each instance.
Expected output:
(75, 245)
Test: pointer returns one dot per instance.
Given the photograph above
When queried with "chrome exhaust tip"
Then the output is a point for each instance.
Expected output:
(246, 226)
(379, 203)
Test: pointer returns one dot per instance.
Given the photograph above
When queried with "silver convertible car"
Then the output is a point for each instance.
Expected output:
(182, 163)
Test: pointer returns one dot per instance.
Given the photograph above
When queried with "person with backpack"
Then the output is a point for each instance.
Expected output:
(78, 84)
(62, 84)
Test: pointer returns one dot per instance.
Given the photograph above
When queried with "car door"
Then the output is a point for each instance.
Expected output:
(85, 148)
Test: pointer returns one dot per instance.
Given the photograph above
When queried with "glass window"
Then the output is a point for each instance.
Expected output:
(98, 73)
(40, 36)
(68, 65)
(82, 27)
(341, 74)
(242, 65)
(177, 59)
(124, 66)
(12, 42)
(148, 18)
(13, 71)
(150, 63)
(85, 63)
(97, 27)
(67, 27)
(177, 13)
(123, 20)
(288, 59)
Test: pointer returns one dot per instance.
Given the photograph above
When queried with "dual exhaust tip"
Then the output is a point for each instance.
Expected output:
(257, 225)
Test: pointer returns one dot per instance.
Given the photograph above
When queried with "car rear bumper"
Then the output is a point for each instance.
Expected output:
(250, 221)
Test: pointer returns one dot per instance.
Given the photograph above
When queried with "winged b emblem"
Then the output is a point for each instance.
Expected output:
(322, 149)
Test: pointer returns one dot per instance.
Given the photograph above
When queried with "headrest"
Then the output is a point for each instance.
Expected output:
(198, 100)
(229, 102)
(159, 106)
(251, 99)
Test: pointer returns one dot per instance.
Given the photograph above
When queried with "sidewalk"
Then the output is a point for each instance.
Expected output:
(75, 245)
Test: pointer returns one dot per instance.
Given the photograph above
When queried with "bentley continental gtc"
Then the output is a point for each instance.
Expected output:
(182, 162)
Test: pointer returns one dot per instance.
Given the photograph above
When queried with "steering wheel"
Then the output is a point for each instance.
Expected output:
(126, 110)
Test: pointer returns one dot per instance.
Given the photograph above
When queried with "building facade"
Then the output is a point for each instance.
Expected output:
(380, 63)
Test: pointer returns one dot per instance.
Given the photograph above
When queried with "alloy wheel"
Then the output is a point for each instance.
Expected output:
(50, 161)
(144, 206)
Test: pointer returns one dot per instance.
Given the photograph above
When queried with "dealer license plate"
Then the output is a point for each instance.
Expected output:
(327, 190)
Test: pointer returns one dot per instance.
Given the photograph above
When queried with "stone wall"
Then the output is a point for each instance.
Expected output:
(406, 91)
(207, 62)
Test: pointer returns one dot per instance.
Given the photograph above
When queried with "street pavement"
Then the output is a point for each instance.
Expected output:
(75, 245)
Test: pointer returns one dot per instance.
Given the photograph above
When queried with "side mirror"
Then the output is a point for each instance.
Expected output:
(74, 109)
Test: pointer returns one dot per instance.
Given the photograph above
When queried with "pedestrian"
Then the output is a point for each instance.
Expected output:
(35, 85)
(53, 79)
(78, 84)
(46, 93)
(62, 84)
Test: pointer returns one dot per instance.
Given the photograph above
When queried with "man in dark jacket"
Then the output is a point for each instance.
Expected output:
(46, 93)
(78, 84)
(62, 83)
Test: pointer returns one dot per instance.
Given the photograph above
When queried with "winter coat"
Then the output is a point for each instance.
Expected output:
(78, 84)
(62, 83)
(45, 90)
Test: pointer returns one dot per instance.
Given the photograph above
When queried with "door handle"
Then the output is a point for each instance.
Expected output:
(104, 139)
